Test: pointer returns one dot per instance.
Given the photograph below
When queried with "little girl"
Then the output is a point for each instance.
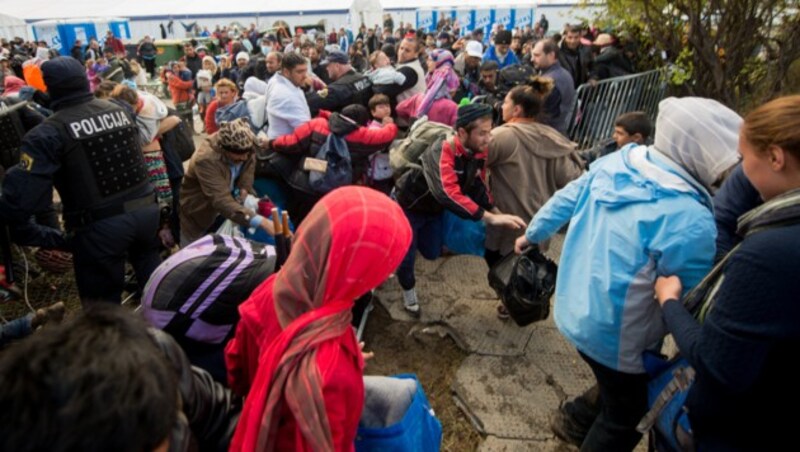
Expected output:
(206, 94)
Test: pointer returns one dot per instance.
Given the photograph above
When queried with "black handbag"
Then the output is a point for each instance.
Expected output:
(525, 284)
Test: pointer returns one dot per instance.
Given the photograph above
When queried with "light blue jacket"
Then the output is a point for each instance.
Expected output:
(634, 216)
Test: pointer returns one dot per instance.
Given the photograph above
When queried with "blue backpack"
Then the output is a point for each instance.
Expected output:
(339, 171)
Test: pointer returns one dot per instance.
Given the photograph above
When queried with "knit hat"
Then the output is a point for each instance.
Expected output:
(242, 56)
(701, 135)
(209, 59)
(502, 37)
(236, 136)
(471, 112)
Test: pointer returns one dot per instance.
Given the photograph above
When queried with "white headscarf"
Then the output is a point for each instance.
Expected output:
(701, 135)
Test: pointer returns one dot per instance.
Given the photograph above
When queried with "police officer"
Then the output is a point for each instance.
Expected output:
(348, 87)
(90, 152)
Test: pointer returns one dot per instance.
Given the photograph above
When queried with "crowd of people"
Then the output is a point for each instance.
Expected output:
(314, 121)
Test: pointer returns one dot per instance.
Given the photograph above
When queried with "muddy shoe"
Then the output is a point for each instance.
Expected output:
(51, 314)
(566, 429)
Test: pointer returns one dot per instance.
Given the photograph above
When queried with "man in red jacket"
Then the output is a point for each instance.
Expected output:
(452, 177)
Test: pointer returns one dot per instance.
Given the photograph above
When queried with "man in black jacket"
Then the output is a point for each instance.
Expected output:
(574, 56)
(77, 51)
(193, 61)
(348, 86)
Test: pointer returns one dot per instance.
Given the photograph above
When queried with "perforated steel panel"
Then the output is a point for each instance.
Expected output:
(506, 396)
(116, 161)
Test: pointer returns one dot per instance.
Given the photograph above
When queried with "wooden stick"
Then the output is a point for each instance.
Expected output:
(287, 233)
(280, 244)
(276, 221)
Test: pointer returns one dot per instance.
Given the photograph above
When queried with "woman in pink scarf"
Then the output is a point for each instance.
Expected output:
(436, 102)
(295, 355)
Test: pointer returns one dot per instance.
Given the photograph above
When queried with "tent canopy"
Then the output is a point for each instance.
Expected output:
(32, 10)
(11, 27)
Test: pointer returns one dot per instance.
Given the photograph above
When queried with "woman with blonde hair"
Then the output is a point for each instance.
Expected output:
(743, 350)
(226, 94)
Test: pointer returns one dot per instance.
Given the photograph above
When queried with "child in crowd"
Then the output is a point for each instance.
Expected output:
(92, 75)
(632, 127)
(379, 173)
(380, 108)
(382, 72)
(206, 94)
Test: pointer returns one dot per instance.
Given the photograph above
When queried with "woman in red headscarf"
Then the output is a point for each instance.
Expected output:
(295, 355)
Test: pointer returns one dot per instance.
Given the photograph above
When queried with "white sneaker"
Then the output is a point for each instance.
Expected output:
(410, 303)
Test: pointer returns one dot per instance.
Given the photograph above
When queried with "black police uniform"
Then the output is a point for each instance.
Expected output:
(90, 152)
(350, 88)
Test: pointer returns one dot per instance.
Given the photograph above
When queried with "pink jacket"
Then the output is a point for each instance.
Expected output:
(443, 110)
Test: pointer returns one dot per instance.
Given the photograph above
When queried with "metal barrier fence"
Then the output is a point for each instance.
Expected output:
(596, 107)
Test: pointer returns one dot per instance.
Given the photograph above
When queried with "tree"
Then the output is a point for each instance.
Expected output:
(736, 51)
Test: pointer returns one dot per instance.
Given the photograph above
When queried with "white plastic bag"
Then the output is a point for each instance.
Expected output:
(230, 228)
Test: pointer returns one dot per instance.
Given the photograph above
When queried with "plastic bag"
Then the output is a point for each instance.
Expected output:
(463, 236)
(230, 228)
(417, 430)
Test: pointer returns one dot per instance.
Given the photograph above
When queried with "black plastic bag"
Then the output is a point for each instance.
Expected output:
(525, 284)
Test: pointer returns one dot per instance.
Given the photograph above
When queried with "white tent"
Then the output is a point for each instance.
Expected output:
(11, 27)
(147, 15)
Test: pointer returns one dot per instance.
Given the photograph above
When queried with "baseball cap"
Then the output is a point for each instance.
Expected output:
(474, 49)
(336, 56)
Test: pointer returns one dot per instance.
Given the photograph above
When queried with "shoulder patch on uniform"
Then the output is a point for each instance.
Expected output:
(323, 93)
(26, 161)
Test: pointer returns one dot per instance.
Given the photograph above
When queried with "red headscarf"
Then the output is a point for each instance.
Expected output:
(350, 242)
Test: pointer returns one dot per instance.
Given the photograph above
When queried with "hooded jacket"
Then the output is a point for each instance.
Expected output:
(637, 214)
(527, 162)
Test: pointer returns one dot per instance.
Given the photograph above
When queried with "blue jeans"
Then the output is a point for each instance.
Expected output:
(16, 329)
(427, 238)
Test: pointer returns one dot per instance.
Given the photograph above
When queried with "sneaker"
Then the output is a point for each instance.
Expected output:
(410, 303)
(566, 429)
(502, 313)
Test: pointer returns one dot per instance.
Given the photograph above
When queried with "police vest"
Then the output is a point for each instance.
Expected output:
(102, 164)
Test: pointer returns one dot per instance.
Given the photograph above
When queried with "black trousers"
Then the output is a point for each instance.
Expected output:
(150, 67)
(623, 400)
(101, 249)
